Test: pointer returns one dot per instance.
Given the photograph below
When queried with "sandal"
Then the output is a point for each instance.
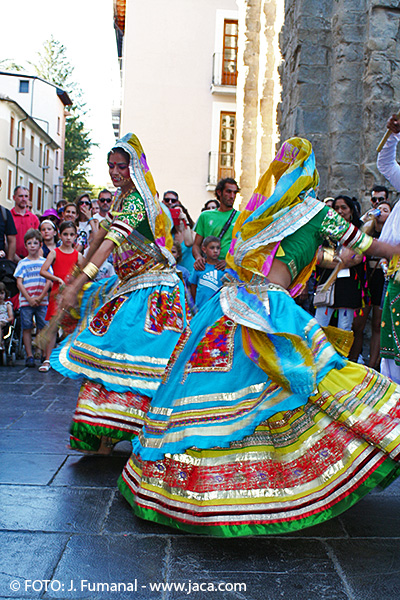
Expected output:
(45, 366)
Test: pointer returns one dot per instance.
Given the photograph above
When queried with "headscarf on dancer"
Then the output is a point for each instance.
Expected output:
(143, 180)
(272, 214)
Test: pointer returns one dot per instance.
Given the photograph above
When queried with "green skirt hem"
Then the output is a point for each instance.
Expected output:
(383, 475)
(88, 437)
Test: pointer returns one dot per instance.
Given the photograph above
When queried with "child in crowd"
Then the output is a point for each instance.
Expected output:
(204, 284)
(33, 288)
(57, 268)
(49, 235)
(6, 313)
(176, 251)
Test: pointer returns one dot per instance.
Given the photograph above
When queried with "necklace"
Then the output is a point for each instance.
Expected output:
(122, 195)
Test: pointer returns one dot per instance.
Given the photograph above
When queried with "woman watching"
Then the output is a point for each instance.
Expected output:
(375, 285)
(70, 213)
(350, 280)
(211, 204)
(183, 234)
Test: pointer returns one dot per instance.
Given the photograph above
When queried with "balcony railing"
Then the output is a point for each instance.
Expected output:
(218, 167)
(116, 121)
(224, 71)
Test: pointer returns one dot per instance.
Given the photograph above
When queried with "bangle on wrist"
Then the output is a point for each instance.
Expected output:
(75, 271)
(90, 270)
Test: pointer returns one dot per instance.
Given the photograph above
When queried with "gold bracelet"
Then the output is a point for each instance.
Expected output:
(75, 271)
(90, 270)
(328, 254)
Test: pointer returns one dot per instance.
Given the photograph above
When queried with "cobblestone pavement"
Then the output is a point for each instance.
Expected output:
(62, 519)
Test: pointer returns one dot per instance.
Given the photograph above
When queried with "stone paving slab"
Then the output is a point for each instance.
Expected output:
(11, 401)
(32, 469)
(65, 392)
(53, 509)
(29, 556)
(24, 387)
(370, 567)
(375, 517)
(88, 561)
(43, 421)
(269, 567)
(120, 519)
(10, 416)
(17, 441)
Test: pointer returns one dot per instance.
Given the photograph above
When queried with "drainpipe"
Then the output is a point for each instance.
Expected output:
(44, 169)
(18, 149)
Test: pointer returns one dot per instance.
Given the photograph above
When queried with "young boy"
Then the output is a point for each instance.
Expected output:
(33, 296)
(204, 284)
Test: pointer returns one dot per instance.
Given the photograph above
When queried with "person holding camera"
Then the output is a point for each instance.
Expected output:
(182, 230)
(87, 224)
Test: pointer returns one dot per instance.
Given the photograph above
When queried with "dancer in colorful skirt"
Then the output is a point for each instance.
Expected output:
(261, 426)
(130, 323)
(390, 325)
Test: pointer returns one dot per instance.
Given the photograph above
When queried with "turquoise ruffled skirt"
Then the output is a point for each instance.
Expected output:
(213, 393)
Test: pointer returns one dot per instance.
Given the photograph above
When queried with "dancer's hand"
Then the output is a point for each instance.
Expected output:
(349, 258)
(393, 124)
(68, 297)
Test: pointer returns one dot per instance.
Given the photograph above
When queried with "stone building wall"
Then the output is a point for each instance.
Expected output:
(340, 81)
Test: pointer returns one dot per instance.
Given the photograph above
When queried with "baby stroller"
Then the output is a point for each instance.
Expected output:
(12, 335)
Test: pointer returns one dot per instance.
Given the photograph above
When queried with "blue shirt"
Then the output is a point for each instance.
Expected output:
(208, 282)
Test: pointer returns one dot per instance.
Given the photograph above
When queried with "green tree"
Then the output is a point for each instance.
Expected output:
(53, 65)
(76, 157)
(8, 64)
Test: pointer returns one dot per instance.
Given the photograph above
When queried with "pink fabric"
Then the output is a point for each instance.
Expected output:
(144, 164)
(232, 247)
(295, 291)
(255, 201)
(268, 262)
(282, 154)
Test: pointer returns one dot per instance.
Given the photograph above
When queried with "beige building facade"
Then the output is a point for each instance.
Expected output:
(179, 75)
(32, 134)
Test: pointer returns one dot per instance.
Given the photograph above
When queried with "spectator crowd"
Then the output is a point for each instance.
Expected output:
(45, 248)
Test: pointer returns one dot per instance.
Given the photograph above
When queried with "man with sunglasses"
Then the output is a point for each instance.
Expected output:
(379, 193)
(105, 201)
(170, 198)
